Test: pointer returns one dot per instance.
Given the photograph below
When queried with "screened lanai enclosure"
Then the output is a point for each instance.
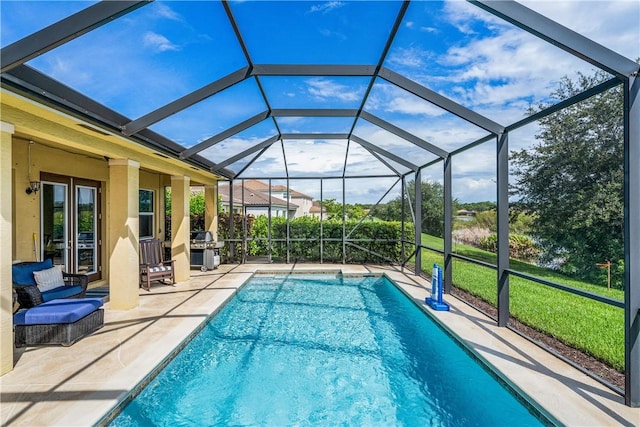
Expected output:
(347, 103)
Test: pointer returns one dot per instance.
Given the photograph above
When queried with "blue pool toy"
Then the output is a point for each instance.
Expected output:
(435, 300)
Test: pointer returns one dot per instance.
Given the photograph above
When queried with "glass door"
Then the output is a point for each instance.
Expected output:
(86, 248)
(70, 224)
(54, 208)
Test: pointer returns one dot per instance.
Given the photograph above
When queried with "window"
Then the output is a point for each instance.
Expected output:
(146, 214)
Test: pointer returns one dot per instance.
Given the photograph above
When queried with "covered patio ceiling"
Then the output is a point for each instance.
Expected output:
(265, 89)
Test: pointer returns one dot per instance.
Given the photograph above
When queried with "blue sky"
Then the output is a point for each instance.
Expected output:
(165, 50)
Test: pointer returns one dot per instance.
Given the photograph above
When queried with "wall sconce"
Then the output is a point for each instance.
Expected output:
(33, 187)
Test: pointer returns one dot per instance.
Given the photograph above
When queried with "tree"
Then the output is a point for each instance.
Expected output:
(332, 208)
(572, 180)
(432, 207)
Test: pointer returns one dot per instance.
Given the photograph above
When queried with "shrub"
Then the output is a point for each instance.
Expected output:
(520, 246)
(377, 237)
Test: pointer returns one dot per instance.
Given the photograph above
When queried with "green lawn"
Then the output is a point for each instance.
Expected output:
(593, 327)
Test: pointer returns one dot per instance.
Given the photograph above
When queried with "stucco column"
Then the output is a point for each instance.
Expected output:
(211, 209)
(180, 224)
(6, 219)
(123, 231)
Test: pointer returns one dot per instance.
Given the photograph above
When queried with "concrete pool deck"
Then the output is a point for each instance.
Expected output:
(79, 385)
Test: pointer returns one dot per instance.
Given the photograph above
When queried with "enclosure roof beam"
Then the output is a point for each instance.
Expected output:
(323, 177)
(386, 163)
(385, 51)
(404, 134)
(224, 135)
(264, 144)
(247, 55)
(613, 82)
(558, 35)
(315, 136)
(63, 31)
(314, 112)
(313, 70)
(248, 165)
(475, 143)
(441, 101)
(369, 146)
(185, 102)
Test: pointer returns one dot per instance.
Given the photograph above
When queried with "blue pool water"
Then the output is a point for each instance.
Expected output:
(323, 350)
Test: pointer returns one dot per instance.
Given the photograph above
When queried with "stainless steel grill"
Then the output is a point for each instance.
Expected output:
(201, 240)
(204, 250)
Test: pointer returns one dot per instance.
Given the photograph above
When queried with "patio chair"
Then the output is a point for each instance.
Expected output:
(152, 266)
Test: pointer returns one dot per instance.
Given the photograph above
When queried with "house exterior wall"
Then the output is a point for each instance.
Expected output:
(27, 206)
(62, 147)
(304, 206)
(70, 147)
(257, 211)
(26, 221)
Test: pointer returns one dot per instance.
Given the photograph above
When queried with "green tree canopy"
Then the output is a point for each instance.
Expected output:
(572, 179)
(432, 207)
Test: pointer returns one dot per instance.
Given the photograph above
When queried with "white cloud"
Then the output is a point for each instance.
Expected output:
(336, 34)
(315, 157)
(391, 99)
(470, 189)
(413, 105)
(326, 7)
(614, 24)
(509, 66)
(412, 56)
(501, 70)
(325, 89)
(158, 42)
(161, 10)
(463, 15)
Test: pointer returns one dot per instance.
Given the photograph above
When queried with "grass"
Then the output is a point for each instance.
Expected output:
(590, 326)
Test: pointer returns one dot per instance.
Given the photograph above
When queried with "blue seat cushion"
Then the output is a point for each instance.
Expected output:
(61, 292)
(57, 311)
(23, 274)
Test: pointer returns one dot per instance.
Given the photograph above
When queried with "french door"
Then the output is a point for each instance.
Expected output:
(70, 224)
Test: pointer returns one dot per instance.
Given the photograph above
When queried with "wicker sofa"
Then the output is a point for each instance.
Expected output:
(59, 315)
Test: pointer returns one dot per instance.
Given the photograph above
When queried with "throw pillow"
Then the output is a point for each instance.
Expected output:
(48, 279)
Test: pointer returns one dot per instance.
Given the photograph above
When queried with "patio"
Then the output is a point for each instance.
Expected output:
(79, 385)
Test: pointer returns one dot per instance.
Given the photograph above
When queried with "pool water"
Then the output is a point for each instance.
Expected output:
(323, 350)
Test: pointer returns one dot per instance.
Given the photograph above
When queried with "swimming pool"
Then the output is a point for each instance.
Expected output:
(324, 350)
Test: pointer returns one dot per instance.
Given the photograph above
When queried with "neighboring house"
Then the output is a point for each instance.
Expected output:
(317, 211)
(252, 201)
(256, 200)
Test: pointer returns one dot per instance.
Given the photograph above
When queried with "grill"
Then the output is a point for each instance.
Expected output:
(204, 250)
(201, 240)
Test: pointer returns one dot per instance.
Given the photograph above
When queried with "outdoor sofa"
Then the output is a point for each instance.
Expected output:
(52, 305)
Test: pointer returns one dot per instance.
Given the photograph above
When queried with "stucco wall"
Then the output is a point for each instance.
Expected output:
(27, 206)
(56, 160)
